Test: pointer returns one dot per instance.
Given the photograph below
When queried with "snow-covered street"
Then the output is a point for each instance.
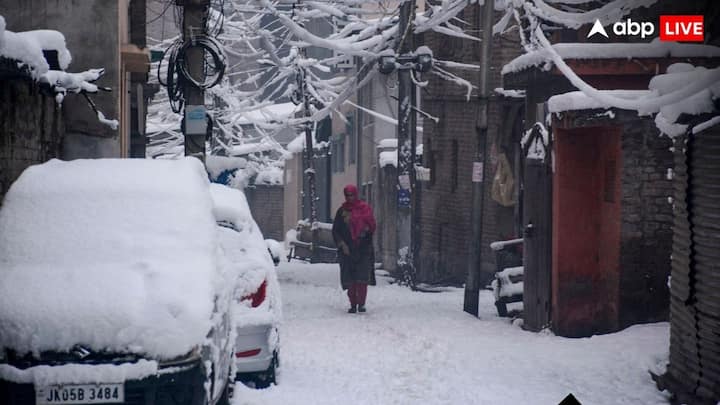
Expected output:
(422, 348)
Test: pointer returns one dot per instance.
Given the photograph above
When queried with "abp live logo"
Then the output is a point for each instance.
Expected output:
(689, 28)
(686, 28)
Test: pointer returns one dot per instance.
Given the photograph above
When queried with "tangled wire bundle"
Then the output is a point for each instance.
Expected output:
(179, 73)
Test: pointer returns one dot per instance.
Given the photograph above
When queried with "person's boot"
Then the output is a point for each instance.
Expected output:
(361, 308)
(352, 309)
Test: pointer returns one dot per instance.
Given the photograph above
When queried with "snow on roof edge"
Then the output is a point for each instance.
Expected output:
(654, 49)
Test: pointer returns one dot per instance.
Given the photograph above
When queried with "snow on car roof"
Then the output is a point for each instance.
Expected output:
(116, 255)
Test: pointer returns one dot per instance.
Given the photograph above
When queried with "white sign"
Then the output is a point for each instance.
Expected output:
(195, 121)
(477, 173)
(80, 394)
(404, 181)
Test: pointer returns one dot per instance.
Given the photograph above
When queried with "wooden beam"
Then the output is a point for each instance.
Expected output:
(135, 59)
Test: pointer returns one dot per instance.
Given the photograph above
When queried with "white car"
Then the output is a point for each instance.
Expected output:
(258, 309)
(111, 288)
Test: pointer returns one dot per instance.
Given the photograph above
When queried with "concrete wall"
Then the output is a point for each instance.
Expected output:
(31, 128)
(91, 29)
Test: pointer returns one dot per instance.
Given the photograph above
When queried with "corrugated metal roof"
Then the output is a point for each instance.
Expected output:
(695, 289)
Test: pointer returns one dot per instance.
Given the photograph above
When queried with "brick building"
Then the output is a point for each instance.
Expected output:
(598, 257)
(449, 152)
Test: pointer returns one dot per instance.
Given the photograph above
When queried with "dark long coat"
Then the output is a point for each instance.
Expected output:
(359, 266)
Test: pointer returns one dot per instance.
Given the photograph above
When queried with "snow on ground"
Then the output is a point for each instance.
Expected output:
(422, 348)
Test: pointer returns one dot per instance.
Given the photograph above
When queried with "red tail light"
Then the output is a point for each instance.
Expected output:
(248, 353)
(258, 296)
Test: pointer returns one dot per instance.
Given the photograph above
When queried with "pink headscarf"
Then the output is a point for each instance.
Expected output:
(361, 215)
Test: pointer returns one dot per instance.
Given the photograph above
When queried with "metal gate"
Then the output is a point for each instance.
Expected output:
(537, 223)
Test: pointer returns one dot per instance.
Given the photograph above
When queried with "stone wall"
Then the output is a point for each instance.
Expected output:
(266, 204)
(31, 127)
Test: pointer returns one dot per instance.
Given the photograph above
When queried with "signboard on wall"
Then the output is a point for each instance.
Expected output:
(477, 173)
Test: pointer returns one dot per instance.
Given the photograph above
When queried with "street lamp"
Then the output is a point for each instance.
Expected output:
(407, 223)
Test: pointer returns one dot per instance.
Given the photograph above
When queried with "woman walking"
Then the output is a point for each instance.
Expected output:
(352, 230)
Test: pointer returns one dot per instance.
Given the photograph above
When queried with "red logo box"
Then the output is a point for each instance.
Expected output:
(689, 28)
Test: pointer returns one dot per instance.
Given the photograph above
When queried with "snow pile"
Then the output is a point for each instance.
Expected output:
(271, 175)
(272, 113)
(27, 48)
(245, 252)
(117, 255)
(264, 146)
(388, 158)
(79, 373)
(414, 348)
(216, 165)
(504, 286)
(63, 82)
(297, 145)
(510, 93)
(654, 49)
(677, 77)
(276, 248)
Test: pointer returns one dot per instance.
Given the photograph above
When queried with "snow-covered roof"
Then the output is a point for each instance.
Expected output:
(388, 143)
(674, 81)
(577, 100)
(117, 255)
(654, 49)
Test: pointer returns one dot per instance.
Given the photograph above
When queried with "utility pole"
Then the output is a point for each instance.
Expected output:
(309, 167)
(472, 286)
(195, 13)
(406, 151)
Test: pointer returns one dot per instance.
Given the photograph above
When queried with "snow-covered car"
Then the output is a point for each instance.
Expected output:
(257, 295)
(110, 286)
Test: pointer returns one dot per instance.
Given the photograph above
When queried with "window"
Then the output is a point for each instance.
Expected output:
(454, 166)
(367, 191)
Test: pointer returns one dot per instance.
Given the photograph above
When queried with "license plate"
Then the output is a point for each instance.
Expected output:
(80, 394)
